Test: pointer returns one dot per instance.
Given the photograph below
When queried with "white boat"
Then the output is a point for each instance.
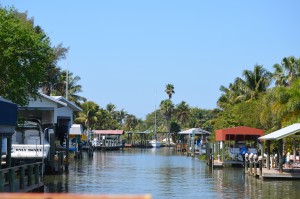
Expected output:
(28, 142)
(155, 143)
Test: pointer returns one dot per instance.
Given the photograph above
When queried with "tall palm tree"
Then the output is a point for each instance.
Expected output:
(182, 112)
(170, 90)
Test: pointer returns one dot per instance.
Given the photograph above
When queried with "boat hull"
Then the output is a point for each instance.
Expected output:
(25, 151)
(155, 144)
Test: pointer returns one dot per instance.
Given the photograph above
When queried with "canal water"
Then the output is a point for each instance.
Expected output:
(164, 174)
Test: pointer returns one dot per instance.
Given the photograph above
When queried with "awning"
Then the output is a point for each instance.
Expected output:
(239, 133)
(289, 131)
(197, 131)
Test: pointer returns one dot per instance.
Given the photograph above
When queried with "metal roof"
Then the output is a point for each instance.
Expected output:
(108, 132)
(282, 133)
(198, 131)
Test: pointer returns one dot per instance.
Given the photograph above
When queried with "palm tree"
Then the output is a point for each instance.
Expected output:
(167, 108)
(130, 122)
(88, 115)
(286, 72)
(285, 104)
(256, 81)
(170, 90)
(182, 112)
(73, 87)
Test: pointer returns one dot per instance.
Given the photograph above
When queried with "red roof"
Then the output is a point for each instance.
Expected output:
(240, 133)
(108, 132)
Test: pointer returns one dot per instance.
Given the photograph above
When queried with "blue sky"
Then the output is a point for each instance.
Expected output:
(127, 51)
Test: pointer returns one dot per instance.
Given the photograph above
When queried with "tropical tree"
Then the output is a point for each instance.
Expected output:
(285, 103)
(286, 72)
(256, 81)
(25, 54)
(130, 122)
(88, 115)
(182, 113)
(170, 90)
(167, 108)
(73, 88)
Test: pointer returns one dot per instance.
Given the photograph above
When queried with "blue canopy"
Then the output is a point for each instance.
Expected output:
(8, 116)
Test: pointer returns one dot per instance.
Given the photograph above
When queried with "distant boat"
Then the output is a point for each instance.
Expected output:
(154, 142)
(29, 142)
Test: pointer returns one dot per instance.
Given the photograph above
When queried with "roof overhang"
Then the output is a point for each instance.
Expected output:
(289, 131)
(70, 104)
(8, 116)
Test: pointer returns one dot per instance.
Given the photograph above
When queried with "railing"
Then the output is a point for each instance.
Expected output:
(21, 178)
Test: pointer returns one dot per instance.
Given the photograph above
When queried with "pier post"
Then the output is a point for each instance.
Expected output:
(268, 154)
(22, 177)
(1, 181)
(36, 173)
(1, 151)
(11, 180)
(30, 175)
(246, 163)
(260, 165)
(280, 152)
(255, 166)
(251, 163)
(8, 155)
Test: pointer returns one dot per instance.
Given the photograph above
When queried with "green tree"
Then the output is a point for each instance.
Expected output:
(170, 90)
(53, 72)
(25, 54)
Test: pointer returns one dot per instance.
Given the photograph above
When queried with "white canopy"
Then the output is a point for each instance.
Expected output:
(282, 133)
(198, 131)
(76, 129)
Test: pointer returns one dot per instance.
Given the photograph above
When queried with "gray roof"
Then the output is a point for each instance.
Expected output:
(282, 133)
(73, 106)
(198, 131)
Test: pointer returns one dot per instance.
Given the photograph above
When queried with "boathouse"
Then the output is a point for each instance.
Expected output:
(292, 132)
(189, 142)
(107, 139)
(236, 138)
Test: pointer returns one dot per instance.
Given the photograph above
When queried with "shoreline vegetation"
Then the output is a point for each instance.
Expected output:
(259, 99)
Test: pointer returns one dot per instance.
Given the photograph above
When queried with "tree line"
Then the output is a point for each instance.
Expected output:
(29, 65)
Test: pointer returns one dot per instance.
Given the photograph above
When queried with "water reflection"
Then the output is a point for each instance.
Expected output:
(163, 173)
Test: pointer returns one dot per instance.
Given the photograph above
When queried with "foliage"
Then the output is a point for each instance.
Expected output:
(25, 54)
